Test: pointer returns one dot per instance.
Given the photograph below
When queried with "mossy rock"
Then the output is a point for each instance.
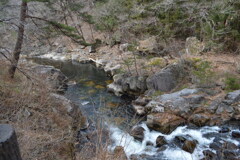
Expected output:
(157, 62)
(194, 46)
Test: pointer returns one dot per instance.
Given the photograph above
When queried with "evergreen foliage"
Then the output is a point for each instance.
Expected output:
(215, 22)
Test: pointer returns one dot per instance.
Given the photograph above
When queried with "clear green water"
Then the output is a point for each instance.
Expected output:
(88, 89)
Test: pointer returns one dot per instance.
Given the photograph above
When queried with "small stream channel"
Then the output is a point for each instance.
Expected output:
(88, 89)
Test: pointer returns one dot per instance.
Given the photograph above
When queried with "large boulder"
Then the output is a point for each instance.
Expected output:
(228, 108)
(190, 104)
(79, 121)
(164, 122)
(125, 84)
(167, 79)
(200, 119)
(150, 46)
(181, 103)
(232, 97)
(54, 77)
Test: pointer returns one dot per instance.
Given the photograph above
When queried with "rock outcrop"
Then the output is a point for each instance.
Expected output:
(54, 77)
(150, 46)
(126, 84)
(164, 122)
(193, 105)
(167, 79)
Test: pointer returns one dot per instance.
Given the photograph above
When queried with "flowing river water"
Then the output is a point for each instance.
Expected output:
(87, 89)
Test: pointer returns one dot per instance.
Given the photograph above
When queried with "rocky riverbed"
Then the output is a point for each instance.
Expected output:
(177, 124)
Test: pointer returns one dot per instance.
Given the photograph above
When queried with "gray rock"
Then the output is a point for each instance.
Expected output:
(166, 79)
(54, 77)
(200, 119)
(150, 46)
(132, 85)
(213, 106)
(233, 97)
(182, 102)
(155, 107)
(223, 108)
(195, 99)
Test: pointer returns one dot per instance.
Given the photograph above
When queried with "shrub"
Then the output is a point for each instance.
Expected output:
(232, 83)
(217, 23)
(202, 72)
(107, 23)
(4, 2)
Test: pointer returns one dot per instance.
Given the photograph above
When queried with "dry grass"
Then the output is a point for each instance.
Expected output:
(42, 124)
(97, 147)
(44, 127)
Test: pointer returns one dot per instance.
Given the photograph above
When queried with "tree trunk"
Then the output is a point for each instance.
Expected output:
(8, 143)
(18, 46)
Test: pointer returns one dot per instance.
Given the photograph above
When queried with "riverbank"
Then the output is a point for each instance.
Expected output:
(148, 77)
(193, 90)
(149, 145)
(45, 123)
(177, 106)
